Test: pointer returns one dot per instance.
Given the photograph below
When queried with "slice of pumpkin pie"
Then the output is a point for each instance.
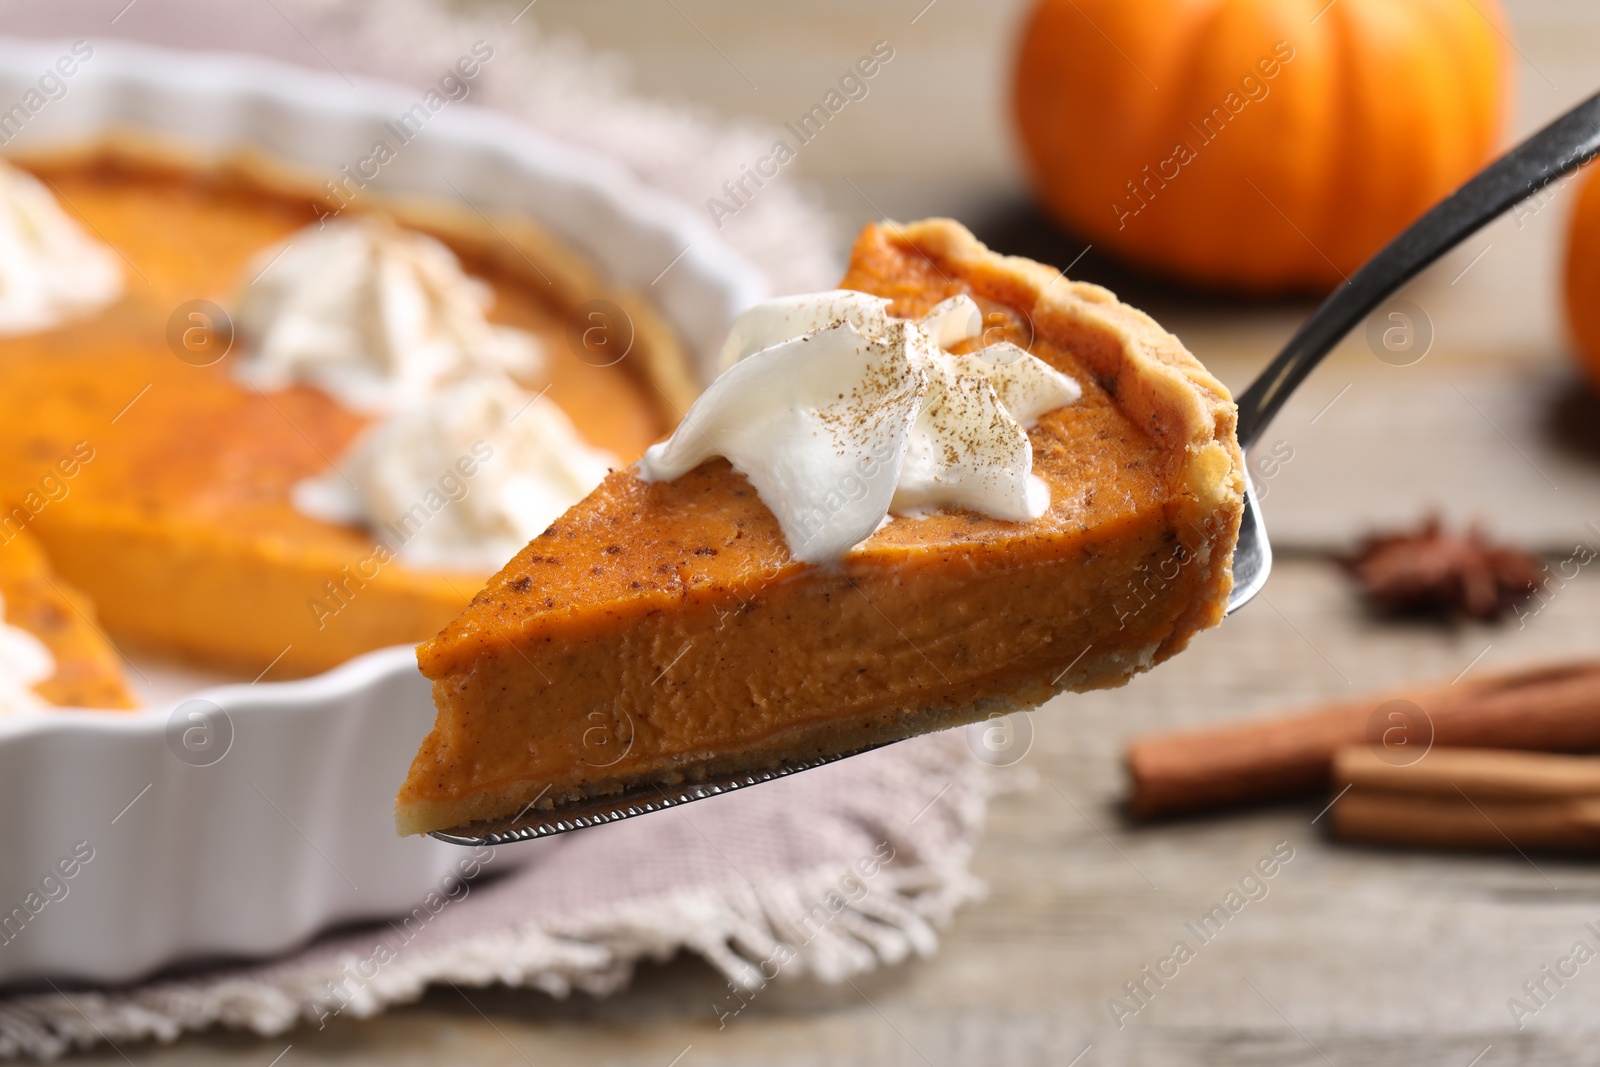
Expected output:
(954, 487)
(52, 653)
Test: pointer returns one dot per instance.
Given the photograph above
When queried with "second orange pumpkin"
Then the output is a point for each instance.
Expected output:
(1258, 145)
(1582, 279)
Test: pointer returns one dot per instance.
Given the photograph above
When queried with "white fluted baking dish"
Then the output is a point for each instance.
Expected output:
(239, 820)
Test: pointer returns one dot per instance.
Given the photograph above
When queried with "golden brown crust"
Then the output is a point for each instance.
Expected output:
(801, 743)
(1156, 381)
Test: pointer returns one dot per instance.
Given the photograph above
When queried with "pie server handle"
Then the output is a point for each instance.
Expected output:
(1560, 148)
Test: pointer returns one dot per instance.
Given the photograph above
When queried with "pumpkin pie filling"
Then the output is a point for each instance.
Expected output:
(663, 631)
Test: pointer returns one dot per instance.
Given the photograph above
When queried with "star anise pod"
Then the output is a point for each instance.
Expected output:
(1434, 572)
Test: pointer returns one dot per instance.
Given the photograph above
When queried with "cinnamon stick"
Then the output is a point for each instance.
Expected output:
(1439, 822)
(1469, 799)
(1550, 709)
(1471, 774)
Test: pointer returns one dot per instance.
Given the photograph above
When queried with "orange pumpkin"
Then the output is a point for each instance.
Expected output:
(1258, 145)
(1583, 275)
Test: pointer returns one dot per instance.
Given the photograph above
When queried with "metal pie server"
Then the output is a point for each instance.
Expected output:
(1560, 148)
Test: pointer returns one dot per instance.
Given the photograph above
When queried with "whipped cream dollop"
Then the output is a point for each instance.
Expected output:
(24, 663)
(840, 414)
(462, 480)
(374, 314)
(50, 269)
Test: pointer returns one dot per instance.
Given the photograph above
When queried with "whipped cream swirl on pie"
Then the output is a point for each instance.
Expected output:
(24, 663)
(840, 414)
(464, 464)
(50, 269)
(374, 314)
(463, 480)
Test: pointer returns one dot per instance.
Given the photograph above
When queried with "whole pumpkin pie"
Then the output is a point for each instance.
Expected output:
(194, 529)
(682, 622)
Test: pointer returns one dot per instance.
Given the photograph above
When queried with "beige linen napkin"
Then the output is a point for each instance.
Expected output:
(830, 873)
